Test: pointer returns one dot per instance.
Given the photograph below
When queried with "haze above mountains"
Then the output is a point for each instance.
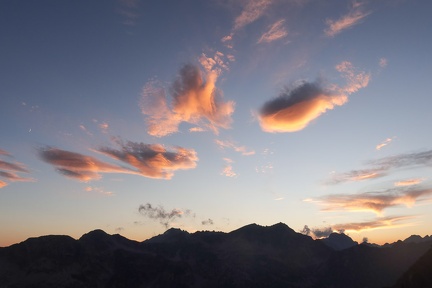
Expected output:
(252, 256)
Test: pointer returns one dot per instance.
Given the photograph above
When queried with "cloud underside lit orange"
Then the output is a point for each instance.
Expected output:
(379, 223)
(298, 116)
(152, 161)
(374, 201)
(195, 99)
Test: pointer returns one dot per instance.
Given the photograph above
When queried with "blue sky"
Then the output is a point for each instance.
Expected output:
(136, 116)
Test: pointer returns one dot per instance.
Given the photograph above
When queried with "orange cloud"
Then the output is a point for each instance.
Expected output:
(9, 171)
(148, 160)
(379, 223)
(373, 201)
(196, 100)
(153, 160)
(385, 143)
(354, 17)
(409, 182)
(357, 175)
(78, 166)
(295, 108)
(275, 32)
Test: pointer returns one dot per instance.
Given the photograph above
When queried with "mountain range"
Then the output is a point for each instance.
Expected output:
(252, 256)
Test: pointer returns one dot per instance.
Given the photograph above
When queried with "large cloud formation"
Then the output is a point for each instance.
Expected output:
(297, 106)
(195, 99)
(148, 160)
(305, 101)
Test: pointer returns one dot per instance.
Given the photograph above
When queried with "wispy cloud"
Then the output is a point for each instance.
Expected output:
(252, 11)
(164, 217)
(9, 170)
(374, 201)
(381, 167)
(195, 99)
(228, 169)
(232, 145)
(354, 16)
(98, 190)
(355, 80)
(275, 32)
(129, 11)
(148, 160)
(383, 62)
(305, 101)
(384, 143)
(378, 223)
(409, 182)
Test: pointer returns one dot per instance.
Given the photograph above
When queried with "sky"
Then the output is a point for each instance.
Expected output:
(138, 116)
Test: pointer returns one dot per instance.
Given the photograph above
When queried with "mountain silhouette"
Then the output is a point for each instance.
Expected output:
(251, 256)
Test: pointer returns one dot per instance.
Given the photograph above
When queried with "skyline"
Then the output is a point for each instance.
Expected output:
(132, 117)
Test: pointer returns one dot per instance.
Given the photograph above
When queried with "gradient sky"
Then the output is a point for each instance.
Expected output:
(135, 116)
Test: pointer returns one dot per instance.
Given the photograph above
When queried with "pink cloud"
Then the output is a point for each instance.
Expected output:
(354, 17)
(275, 32)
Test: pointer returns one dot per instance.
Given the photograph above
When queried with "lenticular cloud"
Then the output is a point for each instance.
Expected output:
(296, 107)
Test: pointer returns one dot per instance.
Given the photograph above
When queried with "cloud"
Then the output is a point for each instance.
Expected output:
(207, 222)
(355, 81)
(78, 166)
(304, 101)
(409, 182)
(231, 145)
(354, 17)
(378, 223)
(153, 160)
(375, 201)
(383, 62)
(104, 127)
(195, 99)
(9, 170)
(14, 177)
(316, 233)
(17, 167)
(3, 152)
(275, 32)
(159, 213)
(251, 12)
(148, 160)
(357, 175)
(98, 190)
(228, 169)
(297, 106)
(321, 232)
(128, 11)
(381, 167)
(384, 143)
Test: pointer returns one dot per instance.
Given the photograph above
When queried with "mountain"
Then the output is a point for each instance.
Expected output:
(339, 241)
(252, 256)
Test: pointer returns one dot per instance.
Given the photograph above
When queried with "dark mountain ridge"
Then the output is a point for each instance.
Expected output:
(251, 256)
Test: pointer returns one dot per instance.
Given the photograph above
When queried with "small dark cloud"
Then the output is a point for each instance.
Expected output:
(207, 222)
(306, 230)
(160, 214)
(119, 229)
